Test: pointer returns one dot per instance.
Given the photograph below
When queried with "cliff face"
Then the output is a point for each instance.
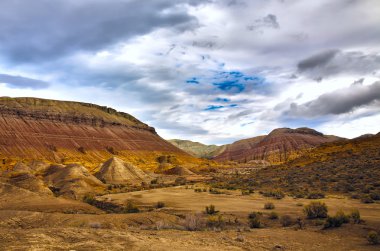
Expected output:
(279, 146)
(60, 131)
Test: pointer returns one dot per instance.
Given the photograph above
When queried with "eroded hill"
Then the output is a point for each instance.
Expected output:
(66, 132)
(277, 147)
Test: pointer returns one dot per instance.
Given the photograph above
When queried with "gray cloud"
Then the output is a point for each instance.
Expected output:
(43, 29)
(22, 82)
(317, 60)
(269, 21)
(334, 62)
(337, 102)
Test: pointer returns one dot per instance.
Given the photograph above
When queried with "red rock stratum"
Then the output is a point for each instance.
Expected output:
(277, 147)
(63, 132)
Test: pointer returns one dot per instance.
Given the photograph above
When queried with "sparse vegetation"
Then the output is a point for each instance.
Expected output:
(131, 207)
(278, 194)
(373, 238)
(355, 216)
(193, 222)
(316, 195)
(316, 210)
(254, 219)
(211, 210)
(273, 216)
(269, 206)
(215, 221)
(286, 220)
(160, 204)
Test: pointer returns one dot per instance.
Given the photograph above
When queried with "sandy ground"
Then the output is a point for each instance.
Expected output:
(54, 229)
(180, 198)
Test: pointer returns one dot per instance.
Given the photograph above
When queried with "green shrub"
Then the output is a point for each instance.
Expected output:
(373, 238)
(355, 216)
(273, 216)
(211, 210)
(269, 205)
(316, 210)
(286, 220)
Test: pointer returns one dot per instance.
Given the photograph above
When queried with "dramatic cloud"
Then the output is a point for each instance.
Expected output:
(42, 29)
(338, 102)
(207, 70)
(334, 62)
(22, 82)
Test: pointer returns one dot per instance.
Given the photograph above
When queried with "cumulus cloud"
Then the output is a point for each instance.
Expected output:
(337, 102)
(22, 82)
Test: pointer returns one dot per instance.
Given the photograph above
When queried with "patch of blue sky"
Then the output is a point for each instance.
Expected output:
(214, 107)
(230, 85)
(225, 100)
(237, 81)
(193, 80)
(217, 107)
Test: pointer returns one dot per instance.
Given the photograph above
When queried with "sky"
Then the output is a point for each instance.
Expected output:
(212, 71)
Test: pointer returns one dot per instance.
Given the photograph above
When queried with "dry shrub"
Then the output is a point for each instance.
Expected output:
(269, 205)
(316, 210)
(286, 220)
(193, 222)
(373, 238)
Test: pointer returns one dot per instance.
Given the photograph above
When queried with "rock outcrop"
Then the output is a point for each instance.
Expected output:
(277, 147)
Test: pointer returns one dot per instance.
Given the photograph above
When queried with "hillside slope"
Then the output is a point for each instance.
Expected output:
(66, 132)
(277, 147)
(197, 149)
(340, 167)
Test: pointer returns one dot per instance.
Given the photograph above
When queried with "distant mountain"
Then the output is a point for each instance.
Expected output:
(66, 132)
(277, 147)
(197, 149)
